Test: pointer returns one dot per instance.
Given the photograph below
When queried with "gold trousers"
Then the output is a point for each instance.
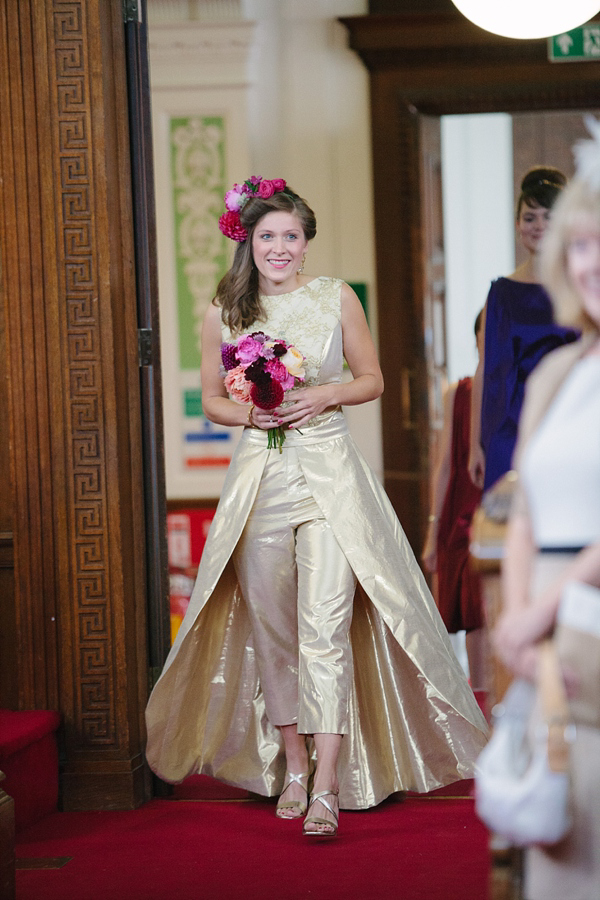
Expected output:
(299, 591)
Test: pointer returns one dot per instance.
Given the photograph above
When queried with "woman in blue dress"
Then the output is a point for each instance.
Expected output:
(519, 331)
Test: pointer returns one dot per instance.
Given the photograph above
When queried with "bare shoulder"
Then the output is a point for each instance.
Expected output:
(350, 304)
(212, 319)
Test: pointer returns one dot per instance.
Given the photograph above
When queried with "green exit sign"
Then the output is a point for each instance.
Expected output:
(582, 43)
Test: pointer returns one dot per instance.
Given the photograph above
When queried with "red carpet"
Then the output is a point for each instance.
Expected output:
(425, 848)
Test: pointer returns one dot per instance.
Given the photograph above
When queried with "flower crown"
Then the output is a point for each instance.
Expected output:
(587, 154)
(235, 200)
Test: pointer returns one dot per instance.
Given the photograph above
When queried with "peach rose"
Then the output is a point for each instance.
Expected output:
(237, 386)
(294, 362)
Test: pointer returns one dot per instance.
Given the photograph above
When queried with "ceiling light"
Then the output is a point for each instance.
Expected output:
(527, 19)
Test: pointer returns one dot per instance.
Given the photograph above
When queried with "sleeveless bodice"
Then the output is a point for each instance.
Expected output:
(310, 319)
(561, 464)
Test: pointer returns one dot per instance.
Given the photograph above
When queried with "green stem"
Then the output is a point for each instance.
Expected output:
(276, 437)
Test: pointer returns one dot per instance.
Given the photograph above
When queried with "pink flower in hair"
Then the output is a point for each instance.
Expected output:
(278, 184)
(254, 179)
(266, 189)
(234, 199)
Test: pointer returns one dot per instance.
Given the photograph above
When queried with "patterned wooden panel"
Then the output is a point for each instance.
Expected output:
(95, 715)
(69, 291)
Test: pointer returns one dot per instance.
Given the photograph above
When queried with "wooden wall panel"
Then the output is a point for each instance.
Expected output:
(69, 293)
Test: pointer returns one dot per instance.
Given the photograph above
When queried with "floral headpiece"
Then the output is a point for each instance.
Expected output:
(587, 154)
(235, 200)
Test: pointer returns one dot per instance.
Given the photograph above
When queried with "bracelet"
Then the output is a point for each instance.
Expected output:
(250, 411)
(432, 518)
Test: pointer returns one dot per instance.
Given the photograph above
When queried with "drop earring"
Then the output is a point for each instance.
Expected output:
(301, 269)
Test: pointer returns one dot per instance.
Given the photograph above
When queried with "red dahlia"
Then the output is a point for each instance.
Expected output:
(267, 395)
(231, 226)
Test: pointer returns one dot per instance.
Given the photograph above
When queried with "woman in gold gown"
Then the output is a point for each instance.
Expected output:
(310, 615)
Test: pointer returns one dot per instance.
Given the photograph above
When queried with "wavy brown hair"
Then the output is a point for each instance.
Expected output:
(237, 292)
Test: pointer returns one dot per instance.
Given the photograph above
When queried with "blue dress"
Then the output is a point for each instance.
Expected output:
(519, 330)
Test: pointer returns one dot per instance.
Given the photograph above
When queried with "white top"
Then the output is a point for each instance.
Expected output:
(561, 463)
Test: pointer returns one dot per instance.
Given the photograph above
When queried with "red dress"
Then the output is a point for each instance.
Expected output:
(459, 591)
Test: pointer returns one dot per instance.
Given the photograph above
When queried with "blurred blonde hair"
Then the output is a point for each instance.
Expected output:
(576, 210)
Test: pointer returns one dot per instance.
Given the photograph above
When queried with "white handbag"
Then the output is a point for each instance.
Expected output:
(522, 782)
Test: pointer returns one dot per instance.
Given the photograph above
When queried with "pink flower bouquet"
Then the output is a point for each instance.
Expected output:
(261, 370)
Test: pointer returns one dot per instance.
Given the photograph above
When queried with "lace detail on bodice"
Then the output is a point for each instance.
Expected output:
(309, 318)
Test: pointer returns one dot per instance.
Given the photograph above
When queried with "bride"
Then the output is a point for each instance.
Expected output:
(311, 639)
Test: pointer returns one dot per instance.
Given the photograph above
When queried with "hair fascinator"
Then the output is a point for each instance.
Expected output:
(587, 154)
(235, 200)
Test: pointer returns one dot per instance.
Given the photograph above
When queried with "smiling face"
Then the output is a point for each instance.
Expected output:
(278, 245)
(583, 267)
(531, 225)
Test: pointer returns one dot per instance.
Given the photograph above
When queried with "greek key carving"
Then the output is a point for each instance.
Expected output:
(95, 717)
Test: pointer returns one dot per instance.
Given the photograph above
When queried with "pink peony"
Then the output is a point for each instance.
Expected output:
(266, 189)
(278, 184)
(231, 226)
(237, 386)
(280, 374)
(248, 350)
(234, 199)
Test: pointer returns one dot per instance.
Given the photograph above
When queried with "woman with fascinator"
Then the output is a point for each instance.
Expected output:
(518, 331)
(312, 663)
(552, 556)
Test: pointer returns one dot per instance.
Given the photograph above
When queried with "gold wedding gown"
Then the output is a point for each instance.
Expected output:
(413, 722)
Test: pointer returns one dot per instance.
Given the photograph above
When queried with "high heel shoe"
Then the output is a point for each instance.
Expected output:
(319, 820)
(290, 778)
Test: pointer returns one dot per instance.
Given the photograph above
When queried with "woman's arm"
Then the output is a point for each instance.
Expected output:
(476, 454)
(523, 622)
(361, 356)
(441, 477)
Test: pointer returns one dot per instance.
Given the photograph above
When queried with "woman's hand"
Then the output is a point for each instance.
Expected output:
(516, 634)
(264, 418)
(429, 552)
(477, 465)
(306, 403)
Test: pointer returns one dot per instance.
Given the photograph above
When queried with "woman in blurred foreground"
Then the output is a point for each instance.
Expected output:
(554, 531)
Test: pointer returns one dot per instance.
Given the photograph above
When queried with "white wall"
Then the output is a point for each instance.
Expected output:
(478, 223)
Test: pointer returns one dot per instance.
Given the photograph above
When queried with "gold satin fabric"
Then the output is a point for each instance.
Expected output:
(412, 720)
(299, 592)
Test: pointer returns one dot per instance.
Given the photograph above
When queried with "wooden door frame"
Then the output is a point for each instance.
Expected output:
(435, 65)
(72, 393)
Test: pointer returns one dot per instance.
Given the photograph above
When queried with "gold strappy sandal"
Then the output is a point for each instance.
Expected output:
(292, 804)
(319, 820)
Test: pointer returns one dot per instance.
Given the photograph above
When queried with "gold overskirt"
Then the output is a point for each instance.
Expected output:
(413, 721)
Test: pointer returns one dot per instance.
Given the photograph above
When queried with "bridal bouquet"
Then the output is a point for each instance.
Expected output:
(260, 370)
